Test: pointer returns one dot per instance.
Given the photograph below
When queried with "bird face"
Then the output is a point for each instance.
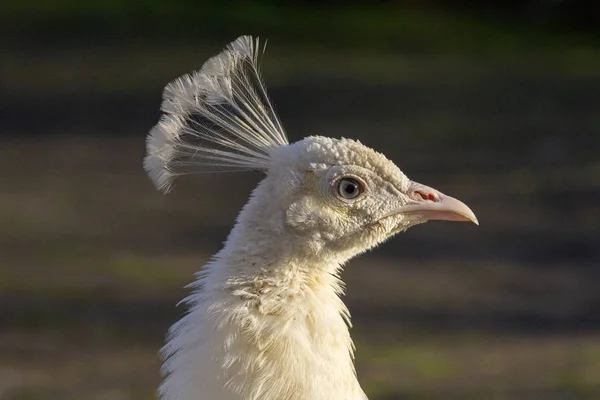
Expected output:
(346, 198)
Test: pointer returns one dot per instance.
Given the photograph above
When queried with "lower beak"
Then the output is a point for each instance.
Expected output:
(434, 205)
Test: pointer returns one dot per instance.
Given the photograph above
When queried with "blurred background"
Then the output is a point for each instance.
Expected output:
(494, 102)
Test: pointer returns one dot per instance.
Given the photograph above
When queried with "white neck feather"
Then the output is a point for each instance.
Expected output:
(263, 324)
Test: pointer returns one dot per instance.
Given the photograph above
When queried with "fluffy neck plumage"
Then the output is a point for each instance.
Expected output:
(265, 322)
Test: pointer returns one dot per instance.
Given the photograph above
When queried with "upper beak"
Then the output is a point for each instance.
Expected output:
(434, 205)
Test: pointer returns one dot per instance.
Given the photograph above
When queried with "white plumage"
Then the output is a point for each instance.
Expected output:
(265, 318)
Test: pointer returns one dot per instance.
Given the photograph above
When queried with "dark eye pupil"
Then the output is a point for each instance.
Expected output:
(349, 188)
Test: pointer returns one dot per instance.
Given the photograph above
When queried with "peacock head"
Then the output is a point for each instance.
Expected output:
(336, 196)
(344, 197)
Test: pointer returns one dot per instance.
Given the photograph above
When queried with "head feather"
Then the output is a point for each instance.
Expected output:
(218, 118)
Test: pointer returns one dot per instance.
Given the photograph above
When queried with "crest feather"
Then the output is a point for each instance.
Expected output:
(216, 119)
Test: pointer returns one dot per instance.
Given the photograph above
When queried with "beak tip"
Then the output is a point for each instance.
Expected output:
(470, 217)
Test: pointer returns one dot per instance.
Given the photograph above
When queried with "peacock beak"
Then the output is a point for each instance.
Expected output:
(434, 205)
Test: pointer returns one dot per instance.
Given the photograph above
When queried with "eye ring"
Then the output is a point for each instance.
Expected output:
(349, 188)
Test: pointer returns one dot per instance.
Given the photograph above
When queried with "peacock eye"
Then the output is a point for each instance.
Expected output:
(349, 188)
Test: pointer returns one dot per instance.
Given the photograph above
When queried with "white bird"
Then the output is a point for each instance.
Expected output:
(265, 318)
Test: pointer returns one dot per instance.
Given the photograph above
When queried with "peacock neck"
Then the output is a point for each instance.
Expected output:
(284, 331)
(262, 266)
(267, 322)
(282, 327)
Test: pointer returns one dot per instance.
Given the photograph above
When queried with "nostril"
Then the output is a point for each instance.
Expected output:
(427, 196)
